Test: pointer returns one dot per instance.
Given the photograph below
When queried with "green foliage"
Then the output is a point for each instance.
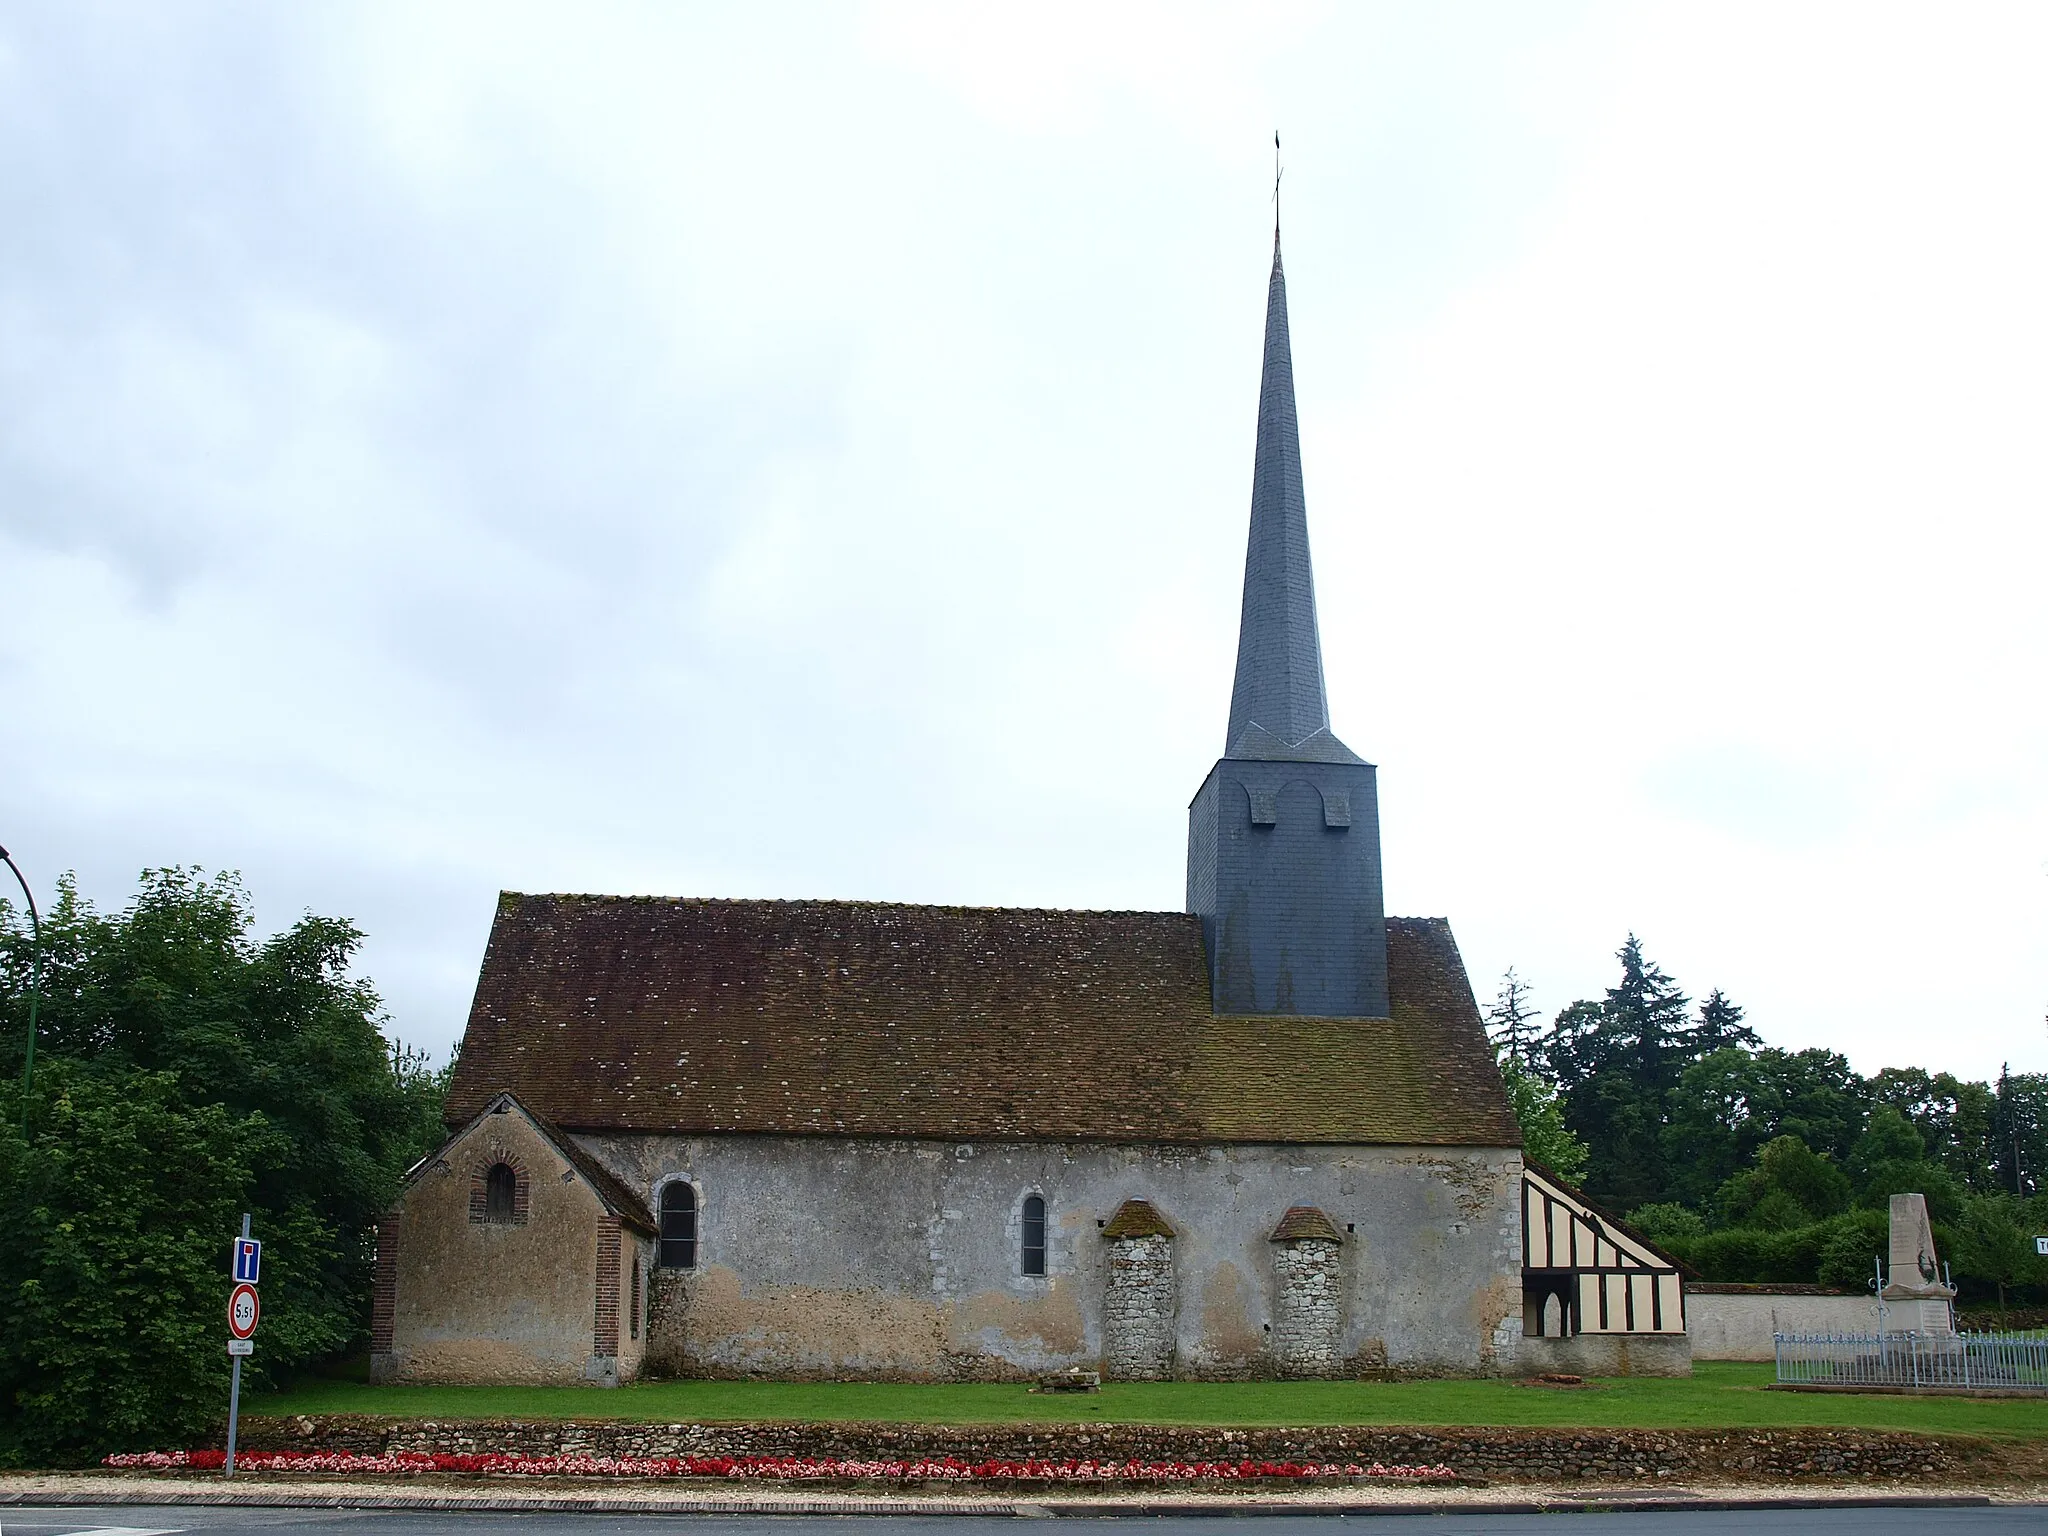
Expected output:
(1994, 1241)
(1731, 1102)
(1790, 1186)
(1759, 1255)
(1889, 1158)
(1719, 1027)
(1759, 1164)
(2019, 1131)
(1511, 1022)
(188, 1072)
(1616, 1063)
(1666, 1222)
(1851, 1248)
(1954, 1119)
(118, 1210)
(1544, 1136)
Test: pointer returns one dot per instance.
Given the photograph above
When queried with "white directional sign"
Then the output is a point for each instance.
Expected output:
(241, 1346)
(2041, 1246)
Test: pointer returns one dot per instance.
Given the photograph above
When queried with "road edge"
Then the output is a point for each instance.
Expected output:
(1055, 1509)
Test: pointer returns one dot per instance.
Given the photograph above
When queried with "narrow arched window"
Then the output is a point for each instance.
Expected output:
(1033, 1246)
(679, 1225)
(633, 1315)
(501, 1192)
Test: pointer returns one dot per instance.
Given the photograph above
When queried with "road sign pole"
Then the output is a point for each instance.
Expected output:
(235, 1386)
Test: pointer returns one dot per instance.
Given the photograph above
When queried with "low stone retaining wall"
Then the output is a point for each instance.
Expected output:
(1607, 1354)
(1506, 1455)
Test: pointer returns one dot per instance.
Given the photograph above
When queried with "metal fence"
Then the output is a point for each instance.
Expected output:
(2011, 1361)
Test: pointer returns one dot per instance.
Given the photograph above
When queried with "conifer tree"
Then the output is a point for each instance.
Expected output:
(1511, 1022)
(1616, 1063)
(1719, 1024)
(1646, 1016)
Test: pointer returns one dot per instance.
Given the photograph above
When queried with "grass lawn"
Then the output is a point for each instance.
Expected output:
(1720, 1394)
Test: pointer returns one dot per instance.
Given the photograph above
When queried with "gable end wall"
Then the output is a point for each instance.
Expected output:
(477, 1301)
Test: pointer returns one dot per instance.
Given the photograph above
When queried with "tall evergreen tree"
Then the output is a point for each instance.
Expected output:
(1511, 1022)
(1575, 1047)
(1719, 1024)
(2020, 1130)
(1616, 1063)
(1646, 1013)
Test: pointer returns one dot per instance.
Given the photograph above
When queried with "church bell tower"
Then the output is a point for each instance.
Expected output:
(1284, 834)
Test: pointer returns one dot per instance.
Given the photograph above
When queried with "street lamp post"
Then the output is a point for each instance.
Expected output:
(35, 978)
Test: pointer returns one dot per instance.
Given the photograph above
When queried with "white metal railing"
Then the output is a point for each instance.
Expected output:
(2010, 1361)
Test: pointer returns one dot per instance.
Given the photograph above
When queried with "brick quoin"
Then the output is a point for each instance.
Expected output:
(606, 1339)
(384, 1287)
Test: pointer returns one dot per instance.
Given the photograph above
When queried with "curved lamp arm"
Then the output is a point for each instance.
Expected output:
(35, 977)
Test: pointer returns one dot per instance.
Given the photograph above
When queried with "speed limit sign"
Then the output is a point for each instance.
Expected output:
(243, 1310)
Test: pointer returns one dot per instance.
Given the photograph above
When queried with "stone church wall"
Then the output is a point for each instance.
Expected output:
(820, 1257)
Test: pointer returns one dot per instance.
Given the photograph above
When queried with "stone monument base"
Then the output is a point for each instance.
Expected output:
(1926, 1316)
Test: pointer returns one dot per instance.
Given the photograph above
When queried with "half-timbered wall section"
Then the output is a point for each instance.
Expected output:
(1582, 1274)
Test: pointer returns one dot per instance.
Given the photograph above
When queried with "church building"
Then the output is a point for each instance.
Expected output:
(1262, 1137)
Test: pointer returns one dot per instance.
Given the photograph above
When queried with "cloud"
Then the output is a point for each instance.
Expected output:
(789, 451)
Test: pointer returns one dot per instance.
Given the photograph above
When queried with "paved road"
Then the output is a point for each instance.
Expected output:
(137, 1520)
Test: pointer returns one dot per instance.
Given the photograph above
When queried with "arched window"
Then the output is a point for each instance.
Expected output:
(1033, 1246)
(501, 1190)
(633, 1315)
(679, 1225)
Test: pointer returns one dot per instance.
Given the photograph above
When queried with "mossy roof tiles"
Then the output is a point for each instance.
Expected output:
(1306, 1223)
(976, 1023)
(1137, 1218)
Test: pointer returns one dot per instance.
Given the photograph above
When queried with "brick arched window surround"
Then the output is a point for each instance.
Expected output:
(1031, 1235)
(678, 1216)
(498, 1189)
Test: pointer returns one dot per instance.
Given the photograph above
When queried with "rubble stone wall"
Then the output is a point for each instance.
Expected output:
(1502, 1455)
(1308, 1307)
(1138, 1307)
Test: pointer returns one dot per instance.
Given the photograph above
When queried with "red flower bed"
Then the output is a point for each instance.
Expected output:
(775, 1468)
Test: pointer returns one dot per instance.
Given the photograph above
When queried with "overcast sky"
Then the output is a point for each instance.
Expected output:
(749, 450)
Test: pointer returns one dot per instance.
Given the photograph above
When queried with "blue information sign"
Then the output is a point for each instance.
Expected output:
(248, 1260)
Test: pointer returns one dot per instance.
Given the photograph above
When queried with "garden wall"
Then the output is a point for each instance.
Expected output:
(1508, 1455)
(1735, 1322)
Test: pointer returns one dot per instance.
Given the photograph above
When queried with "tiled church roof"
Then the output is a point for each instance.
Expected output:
(982, 1023)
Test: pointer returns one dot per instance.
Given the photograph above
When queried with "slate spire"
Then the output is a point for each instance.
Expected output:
(1284, 834)
(1277, 705)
